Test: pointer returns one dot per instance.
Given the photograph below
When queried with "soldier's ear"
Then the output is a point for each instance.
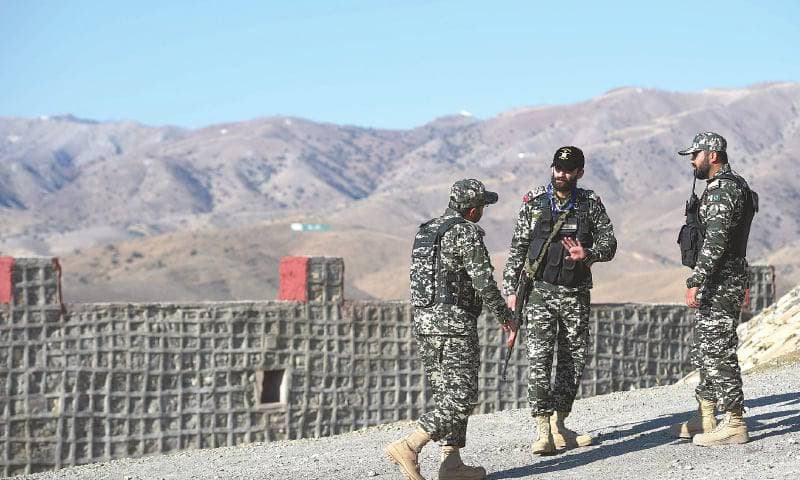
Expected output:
(473, 214)
(580, 174)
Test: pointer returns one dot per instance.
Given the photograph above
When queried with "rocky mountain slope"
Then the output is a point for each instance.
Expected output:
(159, 213)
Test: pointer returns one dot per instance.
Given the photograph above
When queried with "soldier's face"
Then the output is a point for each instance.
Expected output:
(701, 164)
(565, 180)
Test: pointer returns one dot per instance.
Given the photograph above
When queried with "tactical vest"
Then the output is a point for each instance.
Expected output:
(737, 245)
(693, 233)
(555, 269)
(431, 283)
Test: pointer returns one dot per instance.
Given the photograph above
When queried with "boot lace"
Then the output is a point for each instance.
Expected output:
(722, 423)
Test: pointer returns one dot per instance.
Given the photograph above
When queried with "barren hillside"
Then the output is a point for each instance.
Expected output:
(126, 205)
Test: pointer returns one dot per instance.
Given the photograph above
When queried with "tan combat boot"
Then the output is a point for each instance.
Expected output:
(404, 453)
(732, 429)
(453, 468)
(703, 422)
(564, 437)
(544, 441)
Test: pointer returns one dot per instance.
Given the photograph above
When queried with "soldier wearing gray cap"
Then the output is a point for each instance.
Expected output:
(716, 288)
(561, 230)
(451, 281)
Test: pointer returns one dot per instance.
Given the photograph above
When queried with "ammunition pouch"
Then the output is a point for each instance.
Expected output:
(555, 269)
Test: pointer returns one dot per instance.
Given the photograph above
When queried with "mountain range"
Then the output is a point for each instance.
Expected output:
(145, 213)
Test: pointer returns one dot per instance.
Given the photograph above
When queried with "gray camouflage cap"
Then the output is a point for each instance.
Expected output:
(708, 141)
(470, 193)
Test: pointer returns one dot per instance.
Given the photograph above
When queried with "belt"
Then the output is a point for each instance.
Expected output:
(545, 286)
(557, 288)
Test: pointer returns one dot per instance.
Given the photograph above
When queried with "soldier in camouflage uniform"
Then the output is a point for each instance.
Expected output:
(447, 299)
(716, 289)
(566, 229)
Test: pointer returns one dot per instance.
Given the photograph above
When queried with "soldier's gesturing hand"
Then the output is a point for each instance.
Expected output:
(575, 249)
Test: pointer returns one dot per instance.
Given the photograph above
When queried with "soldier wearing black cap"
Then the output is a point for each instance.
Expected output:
(561, 231)
(451, 281)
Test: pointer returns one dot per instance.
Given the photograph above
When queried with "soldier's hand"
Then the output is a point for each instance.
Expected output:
(691, 298)
(510, 326)
(512, 339)
(511, 301)
(575, 249)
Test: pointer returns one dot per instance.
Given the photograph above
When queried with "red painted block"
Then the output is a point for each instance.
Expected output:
(6, 280)
(293, 272)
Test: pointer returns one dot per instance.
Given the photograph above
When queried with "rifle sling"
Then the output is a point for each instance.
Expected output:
(531, 269)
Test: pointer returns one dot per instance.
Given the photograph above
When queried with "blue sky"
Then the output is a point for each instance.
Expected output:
(386, 64)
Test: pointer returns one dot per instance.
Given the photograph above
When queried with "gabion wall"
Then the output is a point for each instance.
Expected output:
(104, 381)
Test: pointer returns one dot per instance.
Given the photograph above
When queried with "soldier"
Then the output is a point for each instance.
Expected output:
(561, 231)
(451, 278)
(716, 289)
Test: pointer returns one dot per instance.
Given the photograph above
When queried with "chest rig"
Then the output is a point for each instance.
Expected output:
(431, 281)
(554, 268)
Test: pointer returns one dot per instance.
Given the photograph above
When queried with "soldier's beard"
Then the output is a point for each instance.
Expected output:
(563, 185)
(702, 170)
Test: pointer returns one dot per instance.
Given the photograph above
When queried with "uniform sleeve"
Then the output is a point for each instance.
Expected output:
(479, 267)
(605, 243)
(520, 240)
(719, 221)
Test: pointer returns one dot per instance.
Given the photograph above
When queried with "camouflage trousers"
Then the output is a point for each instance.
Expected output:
(555, 318)
(451, 369)
(715, 340)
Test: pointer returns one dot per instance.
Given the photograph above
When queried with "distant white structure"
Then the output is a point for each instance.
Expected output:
(465, 113)
(310, 227)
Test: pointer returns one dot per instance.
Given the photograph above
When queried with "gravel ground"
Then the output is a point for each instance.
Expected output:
(630, 426)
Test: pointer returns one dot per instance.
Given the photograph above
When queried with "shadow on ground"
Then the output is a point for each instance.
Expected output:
(653, 433)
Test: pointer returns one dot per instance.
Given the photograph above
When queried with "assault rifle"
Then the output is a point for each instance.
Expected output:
(523, 289)
(690, 237)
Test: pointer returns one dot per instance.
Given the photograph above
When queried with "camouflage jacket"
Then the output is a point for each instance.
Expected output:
(462, 247)
(721, 210)
(603, 250)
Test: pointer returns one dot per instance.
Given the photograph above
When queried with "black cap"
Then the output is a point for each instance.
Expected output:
(568, 158)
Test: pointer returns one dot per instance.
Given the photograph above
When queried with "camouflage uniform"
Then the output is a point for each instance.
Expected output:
(556, 314)
(446, 334)
(722, 278)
